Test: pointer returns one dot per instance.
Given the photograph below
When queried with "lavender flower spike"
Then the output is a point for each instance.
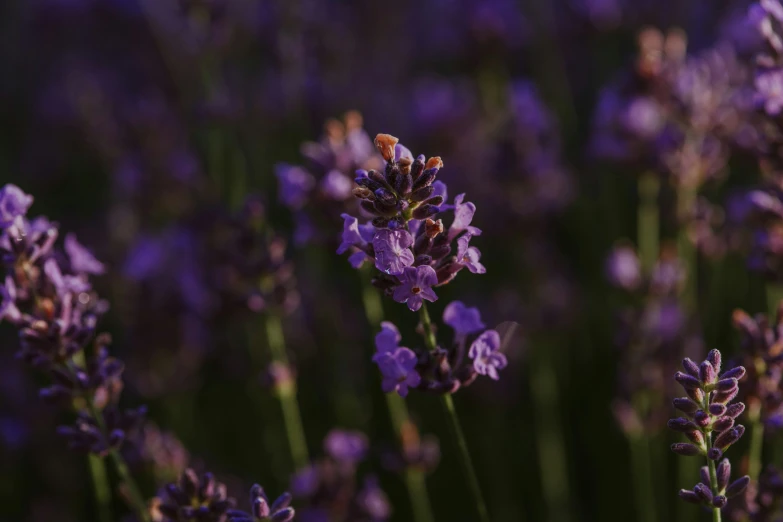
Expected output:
(261, 510)
(709, 425)
(487, 360)
(416, 285)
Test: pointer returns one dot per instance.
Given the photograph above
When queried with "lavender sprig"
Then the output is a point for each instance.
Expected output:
(710, 426)
(48, 297)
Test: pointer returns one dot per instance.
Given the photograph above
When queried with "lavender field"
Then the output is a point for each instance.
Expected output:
(420, 261)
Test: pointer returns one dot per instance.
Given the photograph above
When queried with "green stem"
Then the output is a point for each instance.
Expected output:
(549, 435)
(134, 494)
(100, 484)
(426, 323)
(716, 515)
(686, 250)
(292, 418)
(481, 507)
(648, 221)
(398, 413)
(467, 462)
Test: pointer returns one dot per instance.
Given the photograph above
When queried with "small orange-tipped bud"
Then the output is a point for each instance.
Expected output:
(433, 228)
(385, 144)
(434, 163)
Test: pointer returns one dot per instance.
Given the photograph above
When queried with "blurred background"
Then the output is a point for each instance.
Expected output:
(583, 130)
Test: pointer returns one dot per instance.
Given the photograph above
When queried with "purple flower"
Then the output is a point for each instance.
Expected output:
(349, 447)
(487, 360)
(469, 256)
(355, 235)
(337, 185)
(416, 284)
(398, 369)
(462, 319)
(388, 339)
(82, 260)
(305, 482)
(769, 87)
(13, 204)
(463, 215)
(64, 284)
(373, 500)
(392, 254)
(623, 268)
(295, 185)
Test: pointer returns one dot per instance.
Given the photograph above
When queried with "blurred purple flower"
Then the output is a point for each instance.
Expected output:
(392, 252)
(398, 369)
(487, 360)
(295, 185)
(416, 284)
(462, 319)
(373, 500)
(469, 256)
(305, 482)
(623, 268)
(13, 204)
(64, 284)
(769, 91)
(337, 185)
(82, 260)
(348, 447)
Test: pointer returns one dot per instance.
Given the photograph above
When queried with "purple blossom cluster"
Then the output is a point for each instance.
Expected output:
(330, 488)
(475, 351)
(652, 332)
(321, 189)
(710, 427)
(409, 247)
(47, 295)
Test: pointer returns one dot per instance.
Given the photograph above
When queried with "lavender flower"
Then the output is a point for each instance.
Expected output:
(410, 247)
(57, 312)
(82, 261)
(323, 187)
(13, 205)
(193, 499)
(463, 320)
(392, 252)
(346, 446)
(328, 490)
(710, 427)
(416, 285)
(487, 360)
(261, 510)
(398, 369)
(440, 370)
(388, 339)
